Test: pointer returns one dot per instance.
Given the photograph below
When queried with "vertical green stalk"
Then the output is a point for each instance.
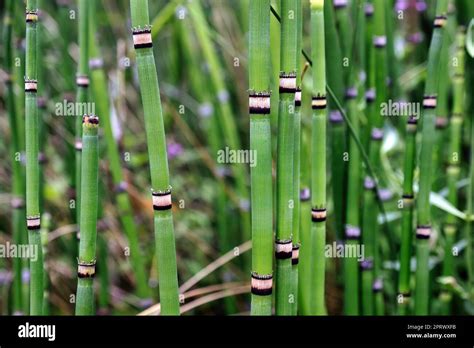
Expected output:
(423, 230)
(380, 64)
(285, 144)
(404, 293)
(17, 202)
(352, 228)
(88, 222)
(318, 155)
(450, 226)
(337, 127)
(156, 140)
(82, 96)
(297, 158)
(260, 144)
(33, 217)
(101, 100)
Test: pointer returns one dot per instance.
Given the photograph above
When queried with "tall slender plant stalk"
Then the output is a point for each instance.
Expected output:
(260, 143)
(337, 129)
(285, 153)
(423, 230)
(408, 199)
(318, 155)
(18, 201)
(156, 139)
(33, 217)
(82, 97)
(297, 158)
(88, 221)
(450, 226)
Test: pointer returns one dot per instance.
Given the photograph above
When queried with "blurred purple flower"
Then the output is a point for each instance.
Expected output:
(174, 149)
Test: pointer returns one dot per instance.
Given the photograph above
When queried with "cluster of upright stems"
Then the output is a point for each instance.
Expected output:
(356, 95)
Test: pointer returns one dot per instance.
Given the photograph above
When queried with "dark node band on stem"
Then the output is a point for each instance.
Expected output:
(412, 124)
(17, 203)
(366, 264)
(335, 117)
(142, 37)
(82, 81)
(33, 222)
(295, 254)
(377, 286)
(352, 232)
(370, 95)
(78, 145)
(96, 63)
(41, 103)
(441, 122)
(318, 215)
(162, 200)
(351, 93)
(380, 41)
(458, 77)
(31, 16)
(86, 269)
(369, 9)
(261, 284)
(42, 159)
(408, 199)
(121, 187)
(305, 194)
(298, 97)
(369, 183)
(339, 4)
(319, 102)
(429, 101)
(405, 298)
(440, 21)
(287, 83)
(423, 232)
(283, 249)
(31, 86)
(376, 134)
(259, 103)
(90, 121)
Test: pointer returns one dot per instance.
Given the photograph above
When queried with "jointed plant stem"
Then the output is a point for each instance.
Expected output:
(428, 137)
(162, 203)
(318, 155)
(32, 163)
(89, 205)
(260, 143)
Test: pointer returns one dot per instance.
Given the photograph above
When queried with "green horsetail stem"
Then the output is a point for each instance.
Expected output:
(260, 143)
(285, 151)
(337, 127)
(352, 228)
(423, 230)
(101, 100)
(33, 217)
(18, 200)
(380, 75)
(88, 221)
(345, 25)
(450, 226)
(156, 140)
(318, 155)
(408, 201)
(82, 96)
(369, 214)
(297, 158)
